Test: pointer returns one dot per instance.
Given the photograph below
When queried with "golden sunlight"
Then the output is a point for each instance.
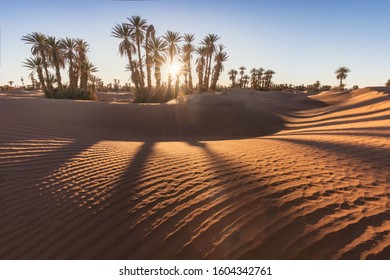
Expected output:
(174, 69)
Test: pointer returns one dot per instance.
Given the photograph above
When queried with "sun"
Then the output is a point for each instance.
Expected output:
(174, 69)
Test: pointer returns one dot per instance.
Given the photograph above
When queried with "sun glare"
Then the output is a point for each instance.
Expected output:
(174, 69)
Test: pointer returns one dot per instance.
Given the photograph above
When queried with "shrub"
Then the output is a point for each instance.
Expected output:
(70, 93)
(158, 95)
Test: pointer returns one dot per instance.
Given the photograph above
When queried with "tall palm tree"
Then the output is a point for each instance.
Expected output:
(232, 76)
(157, 49)
(187, 51)
(56, 57)
(220, 57)
(36, 65)
(254, 76)
(242, 72)
(316, 85)
(268, 78)
(260, 73)
(209, 42)
(139, 27)
(150, 34)
(245, 80)
(172, 39)
(68, 46)
(87, 69)
(39, 47)
(200, 65)
(82, 48)
(341, 74)
(126, 46)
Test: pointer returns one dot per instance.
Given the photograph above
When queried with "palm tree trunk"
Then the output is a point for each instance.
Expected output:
(135, 81)
(205, 79)
(190, 76)
(200, 77)
(157, 74)
(170, 75)
(41, 79)
(45, 64)
(208, 76)
(149, 73)
(83, 78)
(58, 74)
(140, 63)
(215, 77)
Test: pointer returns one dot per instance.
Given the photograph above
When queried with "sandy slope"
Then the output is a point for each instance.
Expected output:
(241, 175)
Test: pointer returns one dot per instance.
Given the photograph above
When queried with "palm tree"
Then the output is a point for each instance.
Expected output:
(209, 42)
(254, 76)
(341, 74)
(268, 78)
(187, 51)
(126, 46)
(158, 48)
(68, 46)
(172, 39)
(260, 72)
(36, 65)
(82, 48)
(138, 27)
(56, 57)
(220, 57)
(86, 73)
(39, 47)
(94, 80)
(317, 85)
(388, 83)
(50, 81)
(245, 80)
(200, 65)
(150, 33)
(242, 72)
(232, 76)
(22, 80)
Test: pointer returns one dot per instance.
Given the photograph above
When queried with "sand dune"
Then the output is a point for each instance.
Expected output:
(241, 175)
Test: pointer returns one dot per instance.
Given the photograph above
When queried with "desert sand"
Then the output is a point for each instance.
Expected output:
(240, 175)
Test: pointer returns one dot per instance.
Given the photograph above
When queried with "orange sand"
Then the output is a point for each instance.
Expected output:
(242, 175)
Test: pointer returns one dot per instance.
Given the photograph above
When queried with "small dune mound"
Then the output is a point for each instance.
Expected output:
(238, 114)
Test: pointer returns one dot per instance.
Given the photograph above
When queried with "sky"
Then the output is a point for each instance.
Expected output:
(301, 40)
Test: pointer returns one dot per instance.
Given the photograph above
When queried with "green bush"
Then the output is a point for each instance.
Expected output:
(158, 95)
(70, 93)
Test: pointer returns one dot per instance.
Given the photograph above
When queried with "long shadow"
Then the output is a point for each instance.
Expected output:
(25, 202)
(111, 229)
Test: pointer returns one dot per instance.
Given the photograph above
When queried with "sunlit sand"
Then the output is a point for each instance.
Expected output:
(238, 175)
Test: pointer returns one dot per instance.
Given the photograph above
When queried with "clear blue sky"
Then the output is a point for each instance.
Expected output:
(301, 40)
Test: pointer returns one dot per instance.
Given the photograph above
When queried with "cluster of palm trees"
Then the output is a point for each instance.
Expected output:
(147, 51)
(259, 78)
(51, 53)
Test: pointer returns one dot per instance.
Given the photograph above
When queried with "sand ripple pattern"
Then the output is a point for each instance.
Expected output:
(318, 189)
